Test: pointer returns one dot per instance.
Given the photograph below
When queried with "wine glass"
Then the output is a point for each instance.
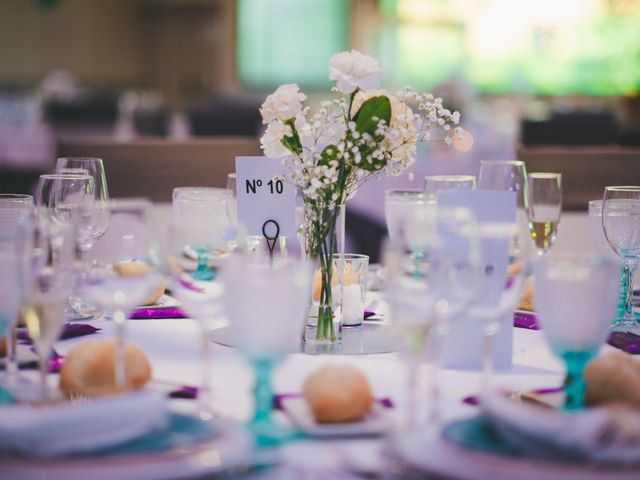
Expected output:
(202, 213)
(501, 287)
(603, 248)
(401, 204)
(621, 223)
(267, 304)
(507, 176)
(437, 183)
(16, 213)
(431, 274)
(126, 275)
(576, 297)
(232, 211)
(47, 290)
(545, 206)
(203, 302)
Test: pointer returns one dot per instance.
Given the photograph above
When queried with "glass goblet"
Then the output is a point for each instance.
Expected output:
(621, 224)
(267, 306)
(127, 273)
(437, 183)
(545, 207)
(602, 247)
(576, 297)
(202, 213)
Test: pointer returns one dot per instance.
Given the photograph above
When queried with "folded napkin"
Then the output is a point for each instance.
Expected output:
(157, 313)
(70, 330)
(185, 392)
(278, 398)
(522, 319)
(626, 341)
(606, 435)
(81, 425)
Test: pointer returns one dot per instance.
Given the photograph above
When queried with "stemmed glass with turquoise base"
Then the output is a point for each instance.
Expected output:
(602, 246)
(267, 306)
(576, 297)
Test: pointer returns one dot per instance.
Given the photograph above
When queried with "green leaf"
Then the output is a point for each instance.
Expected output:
(292, 143)
(371, 112)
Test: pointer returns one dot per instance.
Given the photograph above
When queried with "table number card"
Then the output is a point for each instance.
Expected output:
(461, 347)
(263, 198)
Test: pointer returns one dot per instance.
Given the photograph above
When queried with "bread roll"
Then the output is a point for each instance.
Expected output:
(89, 368)
(136, 267)
(526, 298)
(337, 394)
(613, 377)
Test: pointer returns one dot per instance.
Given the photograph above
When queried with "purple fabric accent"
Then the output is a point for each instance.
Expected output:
(526, 320)
(386, 402)
(157, 313)
(186, 392)
(70, 330)
(369, 313)
(474, 400)
(56, 361)
(626, 341)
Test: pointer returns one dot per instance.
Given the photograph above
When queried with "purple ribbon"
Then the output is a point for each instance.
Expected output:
(626, 341)
(526, 320)
(70, 330)
(56, 361)
(157, 313)
(386, 402)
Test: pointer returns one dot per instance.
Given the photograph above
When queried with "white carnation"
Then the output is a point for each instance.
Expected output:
(271, 141)
(283, 104)
(353, 70)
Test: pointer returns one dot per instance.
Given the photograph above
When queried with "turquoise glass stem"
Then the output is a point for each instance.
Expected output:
(202, 270)
(266, 432)
(623, 295)
(574, 386)
(5, 396)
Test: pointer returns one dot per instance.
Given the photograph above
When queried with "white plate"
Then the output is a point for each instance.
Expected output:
(230, 448)
(428, 452)
(376, 422)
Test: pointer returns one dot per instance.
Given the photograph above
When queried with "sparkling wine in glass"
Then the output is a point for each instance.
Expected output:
(621, 223)
(576, 297)
(127, 273)
(545, 207)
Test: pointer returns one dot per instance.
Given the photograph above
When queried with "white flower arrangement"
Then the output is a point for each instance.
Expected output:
(363, 133)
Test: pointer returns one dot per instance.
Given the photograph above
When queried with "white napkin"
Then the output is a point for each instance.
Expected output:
(601, 435)
(82, 426)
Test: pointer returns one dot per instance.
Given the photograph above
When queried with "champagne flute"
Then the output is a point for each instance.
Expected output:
(507, 176)
(203, 302)
(602, 247)
(267, 304)
(621, 223)
(16, 213)
(431, 273)
(576, 296)
(437, 183)
(545, 207)
(47, 291)
(127, 273)
(202, 213)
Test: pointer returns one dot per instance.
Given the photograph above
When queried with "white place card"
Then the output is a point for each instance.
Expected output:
(462, 345)
(261, 197)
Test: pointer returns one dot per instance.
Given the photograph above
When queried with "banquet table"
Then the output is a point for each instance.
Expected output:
(173, 347)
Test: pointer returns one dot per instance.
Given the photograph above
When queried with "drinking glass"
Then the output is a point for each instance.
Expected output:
(508, 176)
(16, 213)
(401, 204)
(502, 283)
(267, 305)
(603, 248)
(127, 273)
(437, 183)
(203, 302)
(202, 213)
(430, 275)
(232, 212)
(47, 290)
(545, 206)
(576, 297)
(621, 223)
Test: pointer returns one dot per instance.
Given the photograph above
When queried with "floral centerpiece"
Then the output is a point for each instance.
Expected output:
(360, 134)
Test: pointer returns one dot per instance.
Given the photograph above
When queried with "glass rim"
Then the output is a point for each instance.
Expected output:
(502, 162)
(63, 176)
(544, 175)
(80, 158)
(406, 191)
(351, 256)
(623, 188)
(450, 177)
(16, 196)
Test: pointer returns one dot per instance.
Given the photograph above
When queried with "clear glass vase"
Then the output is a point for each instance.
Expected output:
(324, 245)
